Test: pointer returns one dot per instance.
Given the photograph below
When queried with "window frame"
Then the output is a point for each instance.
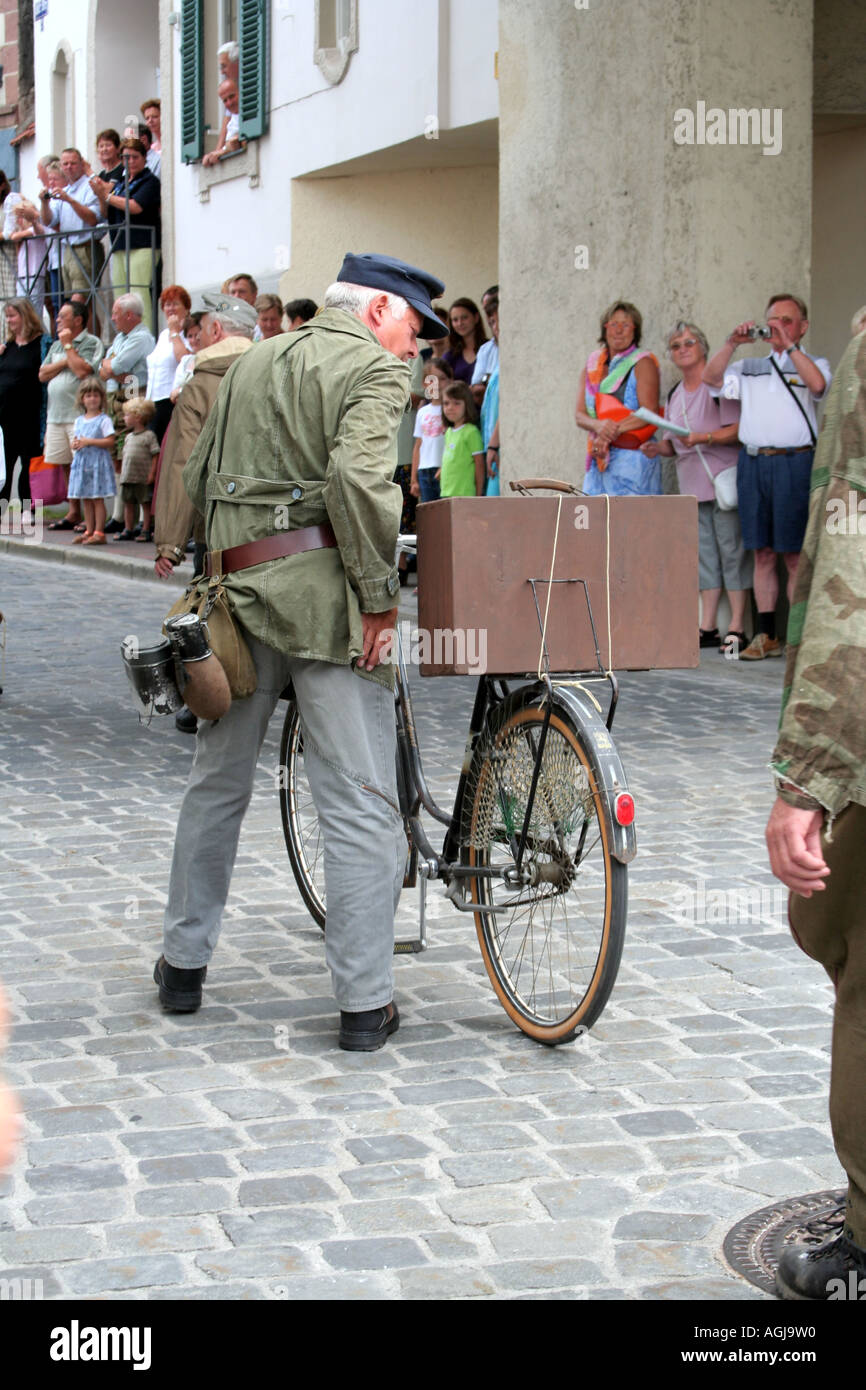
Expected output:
(333, 62)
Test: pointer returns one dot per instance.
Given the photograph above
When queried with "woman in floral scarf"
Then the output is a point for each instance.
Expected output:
(617, 379)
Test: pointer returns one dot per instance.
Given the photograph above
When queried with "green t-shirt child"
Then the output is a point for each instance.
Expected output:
(458, 461)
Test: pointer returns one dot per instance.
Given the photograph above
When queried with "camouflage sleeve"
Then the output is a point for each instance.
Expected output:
(820, 753)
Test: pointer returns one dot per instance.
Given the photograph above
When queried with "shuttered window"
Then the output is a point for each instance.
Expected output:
(191, 77)
(254, 65)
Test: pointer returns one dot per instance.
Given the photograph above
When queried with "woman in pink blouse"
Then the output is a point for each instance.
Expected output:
(708, 448)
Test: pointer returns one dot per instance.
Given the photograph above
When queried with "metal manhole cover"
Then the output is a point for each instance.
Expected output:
(752, 1247)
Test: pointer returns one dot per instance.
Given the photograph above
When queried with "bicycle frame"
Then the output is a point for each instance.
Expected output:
(572, 697)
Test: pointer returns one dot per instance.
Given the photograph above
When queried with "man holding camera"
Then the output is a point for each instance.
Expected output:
(777, 396)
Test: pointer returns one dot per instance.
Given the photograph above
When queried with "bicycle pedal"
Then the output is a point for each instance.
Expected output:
(409, 948)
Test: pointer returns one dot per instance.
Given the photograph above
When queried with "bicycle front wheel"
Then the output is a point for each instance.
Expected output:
(552, 947)
(301, 828)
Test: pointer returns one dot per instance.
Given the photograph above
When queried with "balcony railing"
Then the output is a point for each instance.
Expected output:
(98, 286)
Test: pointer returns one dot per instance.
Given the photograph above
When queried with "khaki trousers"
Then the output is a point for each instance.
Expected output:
(831, 928)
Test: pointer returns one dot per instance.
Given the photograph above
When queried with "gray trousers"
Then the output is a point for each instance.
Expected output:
(350, 761)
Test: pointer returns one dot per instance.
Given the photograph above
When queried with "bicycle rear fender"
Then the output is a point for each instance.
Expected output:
(609, 773)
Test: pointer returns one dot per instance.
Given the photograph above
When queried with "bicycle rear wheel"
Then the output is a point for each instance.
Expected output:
(553, 947)
(300, 821)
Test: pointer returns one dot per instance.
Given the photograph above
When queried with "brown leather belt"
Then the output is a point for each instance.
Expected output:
(242, 557)
(795, 449)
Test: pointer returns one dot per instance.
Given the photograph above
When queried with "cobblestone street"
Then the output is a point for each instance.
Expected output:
(237, 1153)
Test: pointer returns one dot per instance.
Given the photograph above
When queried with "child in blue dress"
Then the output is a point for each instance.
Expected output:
(92, 476)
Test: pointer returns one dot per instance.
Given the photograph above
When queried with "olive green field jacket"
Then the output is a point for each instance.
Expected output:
(304, 431)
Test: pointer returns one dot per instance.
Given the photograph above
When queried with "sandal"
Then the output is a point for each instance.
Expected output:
(81, 528)
(82, 540)
(64, 524)
(126, 536)
(145, 536)
(95, 538)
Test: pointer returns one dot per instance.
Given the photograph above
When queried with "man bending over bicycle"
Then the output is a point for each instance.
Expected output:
(303, 436)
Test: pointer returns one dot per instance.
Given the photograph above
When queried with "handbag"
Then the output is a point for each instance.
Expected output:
(724, 483)
(209, 600)
(47, 482)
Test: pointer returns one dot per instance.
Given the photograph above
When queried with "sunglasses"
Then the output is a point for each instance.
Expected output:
(683, 343)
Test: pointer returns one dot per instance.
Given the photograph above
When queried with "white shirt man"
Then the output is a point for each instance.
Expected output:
(777, 396)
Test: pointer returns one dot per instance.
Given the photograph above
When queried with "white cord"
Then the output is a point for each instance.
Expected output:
(549, 589)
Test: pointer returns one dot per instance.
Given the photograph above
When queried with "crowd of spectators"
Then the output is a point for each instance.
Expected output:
(756, 417)
(57, 262)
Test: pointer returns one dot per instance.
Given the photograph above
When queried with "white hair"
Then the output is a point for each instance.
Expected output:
(131, 303)
(229, 324)
(858, 323)
(231, 50)
(683, 326)
(355, 299)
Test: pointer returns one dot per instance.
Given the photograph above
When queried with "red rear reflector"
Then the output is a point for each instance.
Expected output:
(623, 808)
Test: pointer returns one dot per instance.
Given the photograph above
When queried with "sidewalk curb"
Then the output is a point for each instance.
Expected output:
(86, 559)
(134, 569)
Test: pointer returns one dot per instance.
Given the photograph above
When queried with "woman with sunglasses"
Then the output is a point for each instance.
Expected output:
(708, 448)
(618, 378)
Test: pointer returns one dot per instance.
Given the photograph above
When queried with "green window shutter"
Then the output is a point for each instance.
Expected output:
(254, 65)
(191, 76)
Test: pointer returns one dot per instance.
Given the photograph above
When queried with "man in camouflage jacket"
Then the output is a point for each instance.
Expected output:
(817, 830)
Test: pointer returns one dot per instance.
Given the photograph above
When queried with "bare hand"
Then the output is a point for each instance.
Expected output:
(64, 336)
(794, 841)
(742, 333)
(651, 449)
(606, 431)
(175, 322)
(378, 635)
(415, 488)
(163, 566)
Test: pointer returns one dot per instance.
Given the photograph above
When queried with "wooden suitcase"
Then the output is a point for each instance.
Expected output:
(477, 606)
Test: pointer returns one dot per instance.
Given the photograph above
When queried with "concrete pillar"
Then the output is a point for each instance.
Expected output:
(592, 98)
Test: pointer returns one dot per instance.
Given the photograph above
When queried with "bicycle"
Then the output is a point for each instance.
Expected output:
(536, 846)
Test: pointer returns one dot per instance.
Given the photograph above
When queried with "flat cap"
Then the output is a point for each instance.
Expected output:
(243, 313)
(386, 273)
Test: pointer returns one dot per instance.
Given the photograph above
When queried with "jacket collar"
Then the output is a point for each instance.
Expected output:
(340, 321)
(232, 346)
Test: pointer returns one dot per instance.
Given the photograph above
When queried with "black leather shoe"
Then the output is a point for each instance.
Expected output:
(186, 721)
(835, 1271)
(112, 526)
(179, 990)
(368, 1031)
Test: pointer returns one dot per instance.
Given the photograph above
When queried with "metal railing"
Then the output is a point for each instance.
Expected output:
(93, 265)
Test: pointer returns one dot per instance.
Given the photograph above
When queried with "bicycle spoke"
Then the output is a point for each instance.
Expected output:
(545, 944)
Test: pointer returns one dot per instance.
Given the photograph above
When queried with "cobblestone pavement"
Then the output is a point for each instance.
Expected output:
(238, 1153)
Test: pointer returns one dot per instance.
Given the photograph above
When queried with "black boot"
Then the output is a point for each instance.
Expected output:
(368, 1031)
(179, 990)
(834, 1271)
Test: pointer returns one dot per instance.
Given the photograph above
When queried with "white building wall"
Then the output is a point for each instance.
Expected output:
(65, 25)
(409, 52)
